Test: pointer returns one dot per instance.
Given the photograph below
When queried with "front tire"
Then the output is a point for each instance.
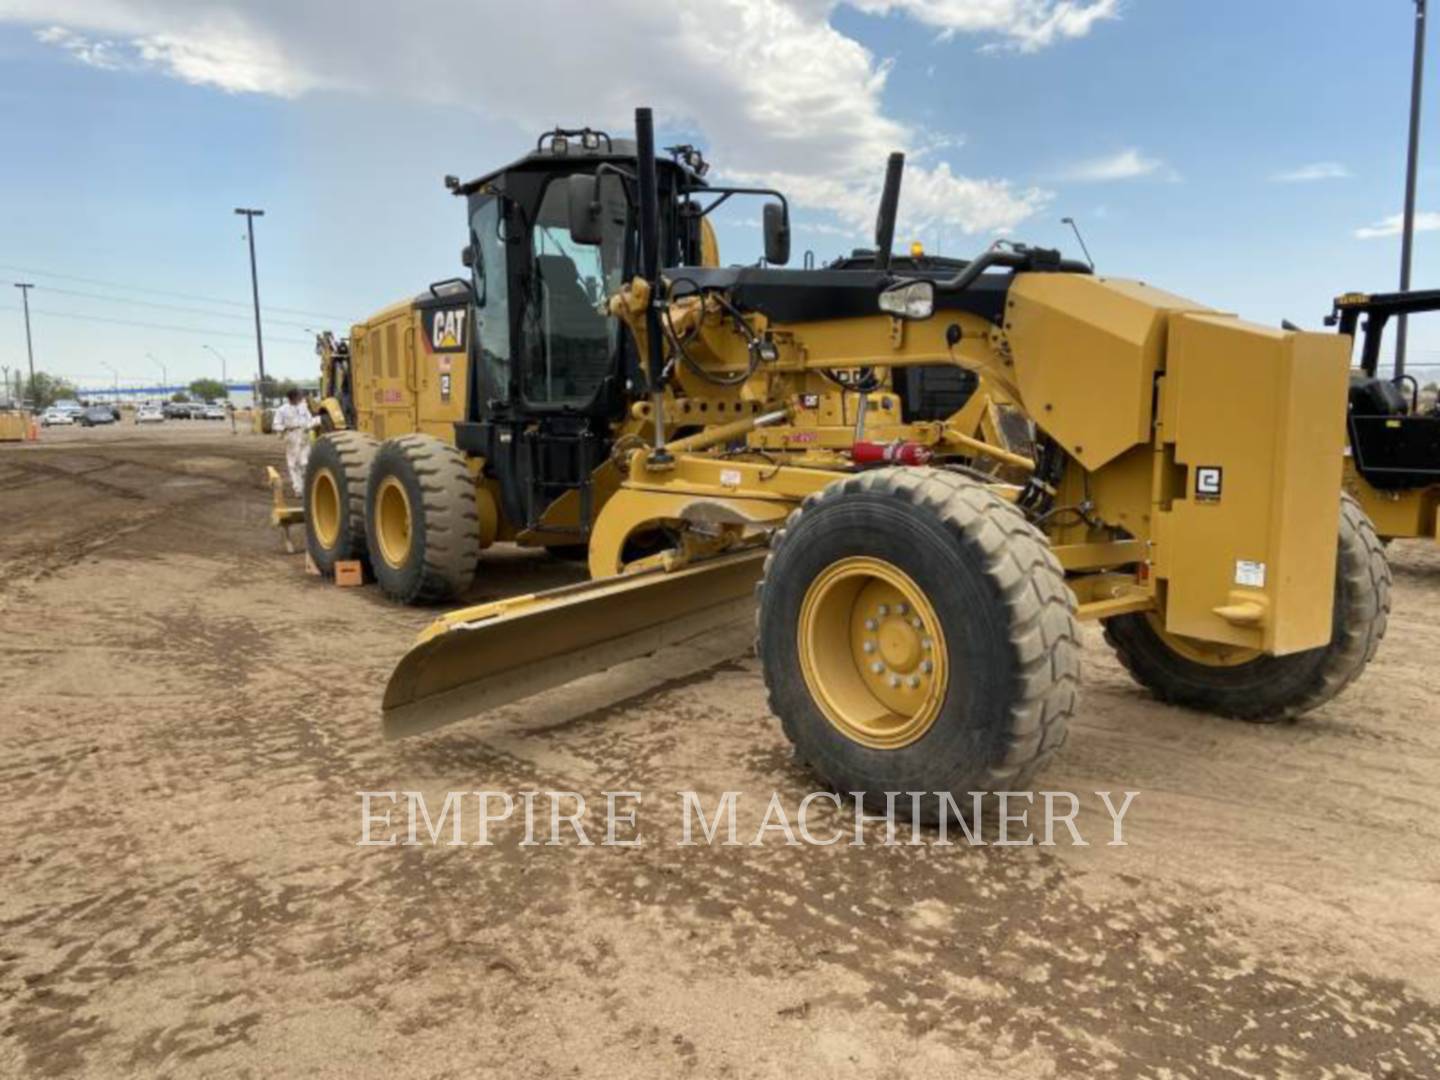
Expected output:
(335, 498)
(946, 587)
(421, 520)
(1263, 688)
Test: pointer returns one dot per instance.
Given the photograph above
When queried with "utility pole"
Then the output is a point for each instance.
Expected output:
(25, 287)
(250, 216)
(116, 374)
(1407, 242)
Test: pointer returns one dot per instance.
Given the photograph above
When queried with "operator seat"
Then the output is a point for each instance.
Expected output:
(579, 336)
(1371, 395)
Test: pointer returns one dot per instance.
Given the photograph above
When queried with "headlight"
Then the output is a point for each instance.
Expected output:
(909, 300)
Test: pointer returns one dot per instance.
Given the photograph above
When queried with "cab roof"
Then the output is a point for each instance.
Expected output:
(613, 151)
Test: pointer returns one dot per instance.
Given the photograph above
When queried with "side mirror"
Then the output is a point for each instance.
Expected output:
(777, 234)
(467, 256)
(584, 207)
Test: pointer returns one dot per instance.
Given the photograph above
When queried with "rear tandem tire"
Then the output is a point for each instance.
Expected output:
(1270, 688)
(976, 698)
(421, 520)
(335, 498)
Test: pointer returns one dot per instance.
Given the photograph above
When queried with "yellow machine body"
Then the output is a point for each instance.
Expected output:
(1200, 482)
(410, 377)
(1413, 514)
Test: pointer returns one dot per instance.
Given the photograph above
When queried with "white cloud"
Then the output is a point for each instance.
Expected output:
(1025, 25)
(779, 94)
(102, 54)
(1127, 164)
(1309, 174)
(1395, 224)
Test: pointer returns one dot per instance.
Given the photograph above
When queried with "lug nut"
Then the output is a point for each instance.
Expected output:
(901, 609)
(927, 666)
(869, 646)
(894, 680)
(871, 624)
(925, 644)
(883, 610)
(878, 668)
(916, 623)
(914, 681)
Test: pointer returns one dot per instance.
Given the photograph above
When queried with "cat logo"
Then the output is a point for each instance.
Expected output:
(447, 329)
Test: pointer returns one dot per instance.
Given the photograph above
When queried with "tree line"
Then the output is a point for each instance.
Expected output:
(45, 389)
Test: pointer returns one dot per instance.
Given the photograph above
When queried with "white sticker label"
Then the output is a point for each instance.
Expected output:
(1250, 574)
(729, 477)
(1209, 479)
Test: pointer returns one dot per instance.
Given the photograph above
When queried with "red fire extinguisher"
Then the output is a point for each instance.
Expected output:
(895, 453)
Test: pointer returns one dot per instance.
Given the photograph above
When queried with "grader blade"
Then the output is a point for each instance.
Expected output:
(479, 658)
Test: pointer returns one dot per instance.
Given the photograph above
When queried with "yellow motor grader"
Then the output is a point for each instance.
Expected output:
(1392, 458)
(917, 586)
(486, 408)
(504, 406)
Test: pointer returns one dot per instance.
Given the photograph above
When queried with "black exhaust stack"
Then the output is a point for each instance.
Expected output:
(889, 208)
(650, 271)
(649, 198)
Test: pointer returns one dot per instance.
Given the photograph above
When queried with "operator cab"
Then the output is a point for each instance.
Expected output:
(1394, 442)
(550, 369)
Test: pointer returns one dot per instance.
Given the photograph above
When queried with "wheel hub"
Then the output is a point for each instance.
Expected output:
(392, 524)
(325, 508)
(872, 652)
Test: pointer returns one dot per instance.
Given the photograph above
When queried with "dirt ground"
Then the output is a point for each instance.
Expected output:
(186, 719)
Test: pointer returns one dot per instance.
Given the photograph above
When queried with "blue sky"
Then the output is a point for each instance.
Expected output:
(1165, 128)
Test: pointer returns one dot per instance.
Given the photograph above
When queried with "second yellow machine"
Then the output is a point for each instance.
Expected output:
(920, 586)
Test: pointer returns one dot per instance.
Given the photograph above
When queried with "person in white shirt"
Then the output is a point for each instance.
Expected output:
(294, 423)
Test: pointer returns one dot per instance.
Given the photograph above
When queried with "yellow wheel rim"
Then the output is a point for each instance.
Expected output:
(1209, 653)
(392, 522)
(873, 653)
(325, 508)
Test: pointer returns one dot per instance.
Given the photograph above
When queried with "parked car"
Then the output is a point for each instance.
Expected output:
(213, 412)
(176, 410)
(52, 416)
(149, 414)
(96, 415)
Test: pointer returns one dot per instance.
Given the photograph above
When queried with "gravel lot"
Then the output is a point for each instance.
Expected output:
(186, 719)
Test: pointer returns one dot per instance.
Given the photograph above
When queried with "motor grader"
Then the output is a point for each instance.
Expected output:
(485, 408)
(1392, 459)
(917, 611)
(500, 407)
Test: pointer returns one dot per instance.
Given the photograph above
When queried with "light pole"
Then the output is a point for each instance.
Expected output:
(250, 216)
(1071, 222)
(25, 287)
(116, 374)
(164, 375)
(1407, 241)
(224, 379)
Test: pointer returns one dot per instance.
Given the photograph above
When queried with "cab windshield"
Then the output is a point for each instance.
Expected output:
(567, 340)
